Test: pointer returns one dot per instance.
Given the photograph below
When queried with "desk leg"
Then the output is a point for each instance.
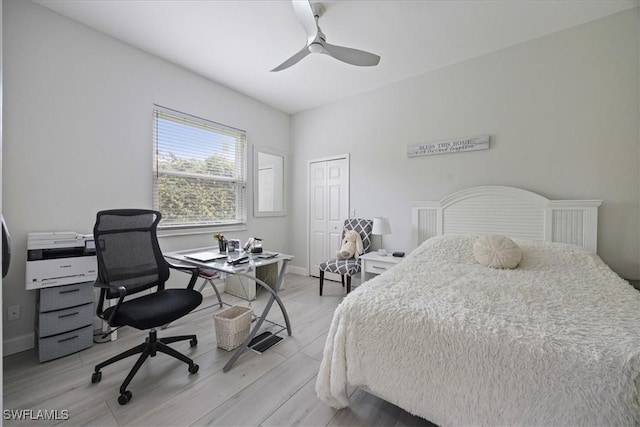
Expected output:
(276, 290)
(213, 285)
(274, 297)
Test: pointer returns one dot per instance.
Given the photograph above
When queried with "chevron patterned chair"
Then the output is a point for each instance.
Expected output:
(348, 267)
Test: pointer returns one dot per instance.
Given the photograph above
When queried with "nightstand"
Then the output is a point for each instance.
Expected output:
(374, 264)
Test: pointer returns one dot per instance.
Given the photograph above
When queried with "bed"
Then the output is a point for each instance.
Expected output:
(555, 341)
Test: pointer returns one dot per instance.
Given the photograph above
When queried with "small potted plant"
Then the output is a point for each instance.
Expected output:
(222, 242)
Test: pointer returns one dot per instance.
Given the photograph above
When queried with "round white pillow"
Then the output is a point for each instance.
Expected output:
(497, 252)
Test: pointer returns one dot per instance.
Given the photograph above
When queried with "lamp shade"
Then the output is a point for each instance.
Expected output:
(381, 226)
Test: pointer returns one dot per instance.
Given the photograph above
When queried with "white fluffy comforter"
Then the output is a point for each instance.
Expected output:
(555, 341)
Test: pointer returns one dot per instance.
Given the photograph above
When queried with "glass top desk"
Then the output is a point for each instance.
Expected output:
(245, 270)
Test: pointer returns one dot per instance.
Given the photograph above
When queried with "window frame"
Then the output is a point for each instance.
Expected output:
(239, 178)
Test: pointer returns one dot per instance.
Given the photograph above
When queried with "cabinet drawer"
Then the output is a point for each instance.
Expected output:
(64, 344)
(65, 296)
(56, 322)
(377, 267)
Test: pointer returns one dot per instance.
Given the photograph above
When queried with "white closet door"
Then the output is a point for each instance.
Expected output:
(328, 208)
(318, 239)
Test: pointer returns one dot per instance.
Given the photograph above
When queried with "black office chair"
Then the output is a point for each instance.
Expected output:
(129, 262)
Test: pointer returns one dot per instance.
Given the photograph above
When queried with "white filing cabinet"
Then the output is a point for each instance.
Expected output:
(65, 320)
(245, 288)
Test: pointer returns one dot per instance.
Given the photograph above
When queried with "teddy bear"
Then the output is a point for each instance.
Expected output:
(351, 245)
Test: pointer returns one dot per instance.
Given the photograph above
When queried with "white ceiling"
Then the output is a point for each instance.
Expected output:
(236, 43)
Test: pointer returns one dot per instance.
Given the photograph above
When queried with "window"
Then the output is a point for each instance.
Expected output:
(199, 170)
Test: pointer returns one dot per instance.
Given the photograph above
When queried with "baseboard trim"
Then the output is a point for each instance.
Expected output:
(18, 344)
(302, 271)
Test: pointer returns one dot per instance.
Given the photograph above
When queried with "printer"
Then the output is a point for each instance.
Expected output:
(59, 258)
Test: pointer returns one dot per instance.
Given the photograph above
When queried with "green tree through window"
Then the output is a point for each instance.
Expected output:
(199, 171)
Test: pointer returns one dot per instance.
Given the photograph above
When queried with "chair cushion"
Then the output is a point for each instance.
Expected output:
(347, 267)
(156, 309)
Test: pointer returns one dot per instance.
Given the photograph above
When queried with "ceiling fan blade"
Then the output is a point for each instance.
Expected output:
(293, 60)
(351, 56)
(305, 15)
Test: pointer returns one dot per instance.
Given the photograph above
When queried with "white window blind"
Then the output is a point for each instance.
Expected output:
(199, 171)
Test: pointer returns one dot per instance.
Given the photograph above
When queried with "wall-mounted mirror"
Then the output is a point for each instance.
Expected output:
(268, 183)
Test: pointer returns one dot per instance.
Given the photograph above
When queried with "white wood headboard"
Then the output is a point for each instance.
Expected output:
(508, 211)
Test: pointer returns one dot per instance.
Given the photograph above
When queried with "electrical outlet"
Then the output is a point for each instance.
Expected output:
(13, 312)
(353, 213)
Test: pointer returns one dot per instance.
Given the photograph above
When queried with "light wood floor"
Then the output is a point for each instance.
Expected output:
(272, 389)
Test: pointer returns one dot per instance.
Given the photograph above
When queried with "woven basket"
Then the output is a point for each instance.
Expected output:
(232, 326)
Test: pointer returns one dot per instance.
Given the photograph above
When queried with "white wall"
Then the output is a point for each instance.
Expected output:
(78, 136)
(562, 112)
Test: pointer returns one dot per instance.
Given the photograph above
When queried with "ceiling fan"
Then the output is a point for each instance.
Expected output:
(308, 15)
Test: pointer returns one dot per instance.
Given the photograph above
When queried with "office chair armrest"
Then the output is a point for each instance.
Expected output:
(122, 291)
(195, 272)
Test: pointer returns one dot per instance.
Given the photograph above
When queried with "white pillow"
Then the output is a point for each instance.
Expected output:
(497, 252)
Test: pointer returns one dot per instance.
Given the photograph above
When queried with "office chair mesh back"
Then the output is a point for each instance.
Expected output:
(127, 251)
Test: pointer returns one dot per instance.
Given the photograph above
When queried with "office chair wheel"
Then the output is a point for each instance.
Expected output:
(125, 397)
(193, 369)
(193, 342)
(96, 377)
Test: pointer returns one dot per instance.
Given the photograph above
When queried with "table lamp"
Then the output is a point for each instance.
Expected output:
(381, 227)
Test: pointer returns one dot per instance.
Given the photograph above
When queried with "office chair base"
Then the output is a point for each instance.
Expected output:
(124, 398)
(149, 348)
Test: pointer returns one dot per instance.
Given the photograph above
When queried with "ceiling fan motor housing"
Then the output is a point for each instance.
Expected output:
(318, 9)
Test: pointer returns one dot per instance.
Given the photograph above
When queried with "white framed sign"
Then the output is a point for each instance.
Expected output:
(472, 143)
